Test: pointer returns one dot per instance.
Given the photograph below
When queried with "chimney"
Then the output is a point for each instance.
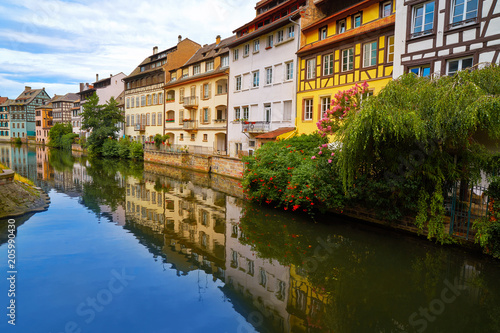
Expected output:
(155, 50)
(179, 38)
(217, 39)
(26, 88)
(96, 77)
(81, 87)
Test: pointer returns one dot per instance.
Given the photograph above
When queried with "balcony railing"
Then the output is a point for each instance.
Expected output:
(140, 127)
(190, 125)
(255, 126)
(220, 121)
(190, 102)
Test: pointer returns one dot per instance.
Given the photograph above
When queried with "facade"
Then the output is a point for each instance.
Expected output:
(4, 119)
(22, 113)
(341, 46)
(443, 37)
(196, 100)
(144, 93)
(61, 108)
(262, 83)
(43, 120)
(76, 120)
(106, 88)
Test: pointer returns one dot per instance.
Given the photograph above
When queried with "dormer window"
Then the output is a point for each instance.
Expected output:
(209, 65)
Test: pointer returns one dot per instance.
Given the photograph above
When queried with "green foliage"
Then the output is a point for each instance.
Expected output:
(136, 151)
(159, 139)
(488, 228)
(18, 141)
(61, 136)
(284, 174)
(102, 120)
(110, 148)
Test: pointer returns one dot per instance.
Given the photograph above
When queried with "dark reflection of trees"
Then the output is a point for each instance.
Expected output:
(107, 185)
(370, 279)
(61, 160)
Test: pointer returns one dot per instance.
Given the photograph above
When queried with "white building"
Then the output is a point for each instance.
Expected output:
(106, 88)
(443, 37)
(262, 79)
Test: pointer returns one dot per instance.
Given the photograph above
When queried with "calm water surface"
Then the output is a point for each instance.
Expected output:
(127, 248)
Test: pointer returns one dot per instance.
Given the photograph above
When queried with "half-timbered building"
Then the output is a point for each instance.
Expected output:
(444, 36)
(352, 43)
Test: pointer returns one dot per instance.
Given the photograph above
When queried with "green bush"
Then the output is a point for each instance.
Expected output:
(61, 136)
(136, 151)
(67, 140)
(110, 148)
(488, 228)
(18, 141)
(124, 148)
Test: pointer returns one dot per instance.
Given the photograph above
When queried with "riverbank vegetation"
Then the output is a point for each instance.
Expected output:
(61, 136)
(398, 153)
(103, 122)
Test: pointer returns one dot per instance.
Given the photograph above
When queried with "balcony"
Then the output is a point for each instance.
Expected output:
(255, 126)
(190, 125)
(190, 102)
(140, 127)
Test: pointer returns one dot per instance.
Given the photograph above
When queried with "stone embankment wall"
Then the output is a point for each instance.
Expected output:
(221, 165)
(19, 198)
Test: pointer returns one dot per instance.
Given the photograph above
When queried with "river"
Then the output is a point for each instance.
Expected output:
(127, 247)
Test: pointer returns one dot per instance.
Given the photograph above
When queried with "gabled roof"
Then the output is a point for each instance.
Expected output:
(3, 99)
(210, 51)
(217, 72)
(7, 102)
(28, 95)
(70, 97)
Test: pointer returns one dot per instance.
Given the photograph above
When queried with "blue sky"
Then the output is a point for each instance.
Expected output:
(58, 44)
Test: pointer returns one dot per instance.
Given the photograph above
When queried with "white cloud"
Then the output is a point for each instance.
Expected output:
(82, 38)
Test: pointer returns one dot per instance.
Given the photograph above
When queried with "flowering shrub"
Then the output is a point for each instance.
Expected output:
(283, 174)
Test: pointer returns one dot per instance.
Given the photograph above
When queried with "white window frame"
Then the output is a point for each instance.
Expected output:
(290, 32)
(390, 48)
(237, 113)
(270, 41)
(289, 71)
(325, 104)
(383, 13)
(423, 17)
(246, 112)
(237, 85)
(209, 66)
(308, 109)
(256, 46)
(269, 75)
(236, 54)
(368, 55)
(328, 60)
(311, 68)
(463, 17)
(349, 55)
(354, 21)
(255, 79)
(280, 36)
(323, 33)
(460, 64)
(246, 50)
(224, 61)
(419, 69)
(196, 69)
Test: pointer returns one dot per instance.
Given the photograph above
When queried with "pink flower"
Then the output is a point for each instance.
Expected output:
(329, 161)
(313, 157)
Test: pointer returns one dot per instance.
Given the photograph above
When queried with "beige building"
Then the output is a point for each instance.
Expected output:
(144, 94)
(196, 100)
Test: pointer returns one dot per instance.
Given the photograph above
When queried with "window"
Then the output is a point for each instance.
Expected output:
(155, 99)
(170, 95)
(237, 86)
(311, 69)
(423, 19)
(193, 137)
(328, 64)
(132, 120)
(454, 66)
(308, 109)
(224, 61)
(205, 137)
(159, 118)
(143, 100)
(181, 95)
(386, 9)
(236, 54)
(280, 36)
(356, 21)
(323, 33)
(246, 50)
(137, 101)
(128, 106)
(132, 102)
(206, 115)
(255, 81)
(148, 100)
(256, 46)
(291, 31)
(423, 70)
(341, 26)
(267, 112)
(251, 267)
(269, 75)
(206, 90)
(246, 114)
(325, 104)
(181, 137)
(160, 98)
(196, 69)
(153, 119)
(185, 72)
(289, 71)
(463, 11)
(209, 66)
(262, 277)
(347, 59)
(370, 54)
(237, 113)
(148, 118)
(390, 49)
(270, 41)
(173, 76)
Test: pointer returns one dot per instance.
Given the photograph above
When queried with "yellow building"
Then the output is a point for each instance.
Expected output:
(196, 100)
(351, 45)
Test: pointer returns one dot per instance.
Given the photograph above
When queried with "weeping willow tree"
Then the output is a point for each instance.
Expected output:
(418, 130)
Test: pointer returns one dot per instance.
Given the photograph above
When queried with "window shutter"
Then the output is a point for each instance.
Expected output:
(209, 91)
(202, 119)
(181, 116)
(209, 115)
